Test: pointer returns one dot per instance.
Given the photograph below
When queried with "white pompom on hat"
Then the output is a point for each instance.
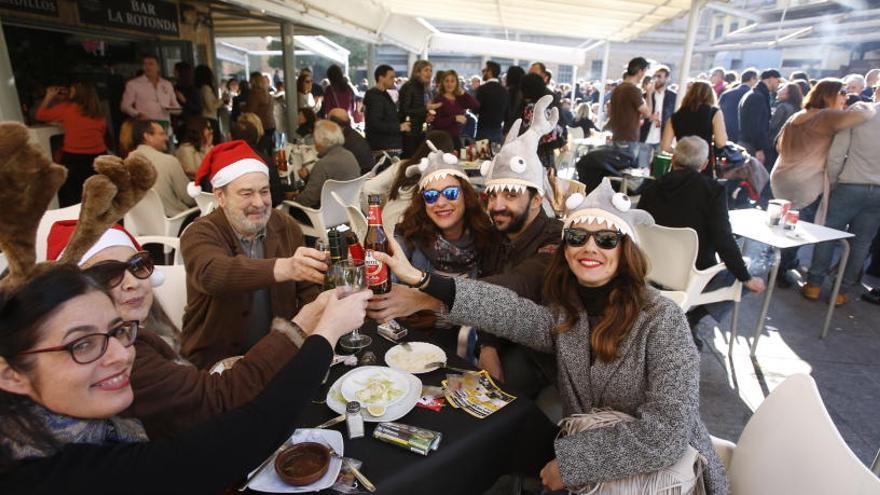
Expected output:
(605, 207)
(436, 166)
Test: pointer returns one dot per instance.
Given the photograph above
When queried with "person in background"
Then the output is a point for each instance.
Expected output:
(338, 94)
(207, 87)
(566, 116)
(248, 130)
(415, 106)
(304, 96)
(583, 118)
(151, 141)
(872, 77)
(78, 109)
(855, 84)
(854, 206)
(150, 97)
(260, 102)
(698, 116)
(239, 100)
(454, 104)
(305, 131)
(730, 78)
(382, 124)
(198, 139)
(540, 69)
(474, 85)
(685, 197)
(789, 101)
(662, 108)
(334, 162)
(126, 140)
(186, 90)
(230, 90)
(754, 117)
(627, 108)
(729, 102)
(354, 142)
(716, 79)
(493, 101)
(513, 87)
(533, 89)
(799, 174)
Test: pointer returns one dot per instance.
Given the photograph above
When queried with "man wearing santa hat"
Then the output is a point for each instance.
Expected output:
(246, 262)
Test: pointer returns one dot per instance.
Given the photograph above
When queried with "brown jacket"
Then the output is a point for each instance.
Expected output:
(261, 103)
(171, 395)
(220, 279)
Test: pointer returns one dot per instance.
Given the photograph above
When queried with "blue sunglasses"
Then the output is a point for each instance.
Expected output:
(451, 193)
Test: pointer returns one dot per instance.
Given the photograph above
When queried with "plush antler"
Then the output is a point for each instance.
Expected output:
(29, 182)
(107, 197)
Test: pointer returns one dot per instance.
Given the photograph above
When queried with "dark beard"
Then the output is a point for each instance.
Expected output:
(516, 224)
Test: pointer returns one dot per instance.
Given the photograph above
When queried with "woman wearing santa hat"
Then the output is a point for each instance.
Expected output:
(170, 394)
(628, 370)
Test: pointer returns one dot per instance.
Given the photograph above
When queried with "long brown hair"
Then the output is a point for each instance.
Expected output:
(441, 90)
(700, 93)
(440, 139)
(824, 90)
(85, 95)
(626, 299)
(418, 229)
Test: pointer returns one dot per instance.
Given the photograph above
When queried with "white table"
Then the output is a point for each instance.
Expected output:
(752, 224)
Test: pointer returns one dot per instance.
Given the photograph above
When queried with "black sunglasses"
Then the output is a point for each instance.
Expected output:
(89, 348)
(605, 239)
(451, 193)
(110, 273)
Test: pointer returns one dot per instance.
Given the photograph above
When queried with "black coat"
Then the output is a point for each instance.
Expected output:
(669, 98)
(493, 99)
(411, 103)
(729, 104)
(382, 123)
(360, 148)
(754, 119)
(686, 198)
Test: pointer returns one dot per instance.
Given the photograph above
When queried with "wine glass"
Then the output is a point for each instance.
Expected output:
(349, 278)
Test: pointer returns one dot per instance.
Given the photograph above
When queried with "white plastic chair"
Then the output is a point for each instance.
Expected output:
(356, 219)
(672, 254)
(206, 202)
(166, 242)
(790, 446)
(50, 217)
(172, 293)
(332, 212)
(148, 218)
(677, 296)
(575, 133)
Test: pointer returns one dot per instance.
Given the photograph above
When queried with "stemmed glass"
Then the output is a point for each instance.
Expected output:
(349, 278)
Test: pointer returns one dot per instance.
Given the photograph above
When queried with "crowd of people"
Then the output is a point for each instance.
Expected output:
(96, 381)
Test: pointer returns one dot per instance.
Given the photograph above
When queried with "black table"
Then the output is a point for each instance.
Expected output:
(473, 452)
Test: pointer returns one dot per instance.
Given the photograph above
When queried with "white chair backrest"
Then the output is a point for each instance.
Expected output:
(356, 219)
(671, 252)
(50, 217)
(791, 446)
(677, 296)
(172, 293)
(348, 191)
(206, 202)
(164, 241)
(575, 133)
(147, 217)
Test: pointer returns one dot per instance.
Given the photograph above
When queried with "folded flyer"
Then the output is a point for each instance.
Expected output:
(475, 393)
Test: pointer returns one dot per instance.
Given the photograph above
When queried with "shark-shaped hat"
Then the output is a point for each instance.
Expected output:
(517, 165)
(606, 207)
(435, 166)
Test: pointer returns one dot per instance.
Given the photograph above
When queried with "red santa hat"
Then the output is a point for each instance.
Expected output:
(61, 232)
(225, 163)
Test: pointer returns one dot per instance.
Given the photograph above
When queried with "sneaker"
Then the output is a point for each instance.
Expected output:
(811, 291)
(872, 296)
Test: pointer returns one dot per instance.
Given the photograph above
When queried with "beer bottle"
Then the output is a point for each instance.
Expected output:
(376, 272)
(355, 249)
(334, 240)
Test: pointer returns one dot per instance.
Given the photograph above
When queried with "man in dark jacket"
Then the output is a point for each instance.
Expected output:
(382, 123)
(729, 103)
(493, 104)
(686, 198)
(754, 116)
(662, 107)
(354, 142)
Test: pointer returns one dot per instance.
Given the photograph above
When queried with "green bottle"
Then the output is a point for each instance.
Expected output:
(334, 239)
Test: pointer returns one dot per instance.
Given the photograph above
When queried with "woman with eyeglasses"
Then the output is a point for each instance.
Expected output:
(171, 395)
(619, 344)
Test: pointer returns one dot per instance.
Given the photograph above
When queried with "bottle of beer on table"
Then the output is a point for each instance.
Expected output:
(355, 249)
(376, 272)
(335, 242)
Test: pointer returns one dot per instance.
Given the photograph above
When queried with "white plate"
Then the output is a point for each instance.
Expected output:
(358, 379)
(336, 402)
(415, 359)
(268, 480)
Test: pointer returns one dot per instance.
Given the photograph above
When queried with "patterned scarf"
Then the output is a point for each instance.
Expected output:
(453, 258)
(66, 430)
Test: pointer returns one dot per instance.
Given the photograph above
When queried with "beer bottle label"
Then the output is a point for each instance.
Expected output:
(375, 270)
(374, 215)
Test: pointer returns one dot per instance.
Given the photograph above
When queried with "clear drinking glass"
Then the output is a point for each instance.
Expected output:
(349, 278)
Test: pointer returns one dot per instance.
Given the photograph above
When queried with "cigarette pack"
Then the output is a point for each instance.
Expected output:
(392, 331)
(418, 440)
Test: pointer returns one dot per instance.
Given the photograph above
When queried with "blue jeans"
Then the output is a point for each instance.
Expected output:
(788, 259)
(640, 151)
(856, 206)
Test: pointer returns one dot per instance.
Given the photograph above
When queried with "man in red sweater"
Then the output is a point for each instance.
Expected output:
(245, 262)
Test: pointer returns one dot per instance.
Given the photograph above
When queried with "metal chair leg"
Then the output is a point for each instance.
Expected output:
(733, 320)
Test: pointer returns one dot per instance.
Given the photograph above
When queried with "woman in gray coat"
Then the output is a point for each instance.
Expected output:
(619, 344)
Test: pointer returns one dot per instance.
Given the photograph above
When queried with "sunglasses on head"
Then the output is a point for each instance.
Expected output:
(605, 239)
(111, 272)
(451, 193)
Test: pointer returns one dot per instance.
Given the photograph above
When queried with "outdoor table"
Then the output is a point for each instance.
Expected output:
(633, 173)
(752, 224)
(473, 452)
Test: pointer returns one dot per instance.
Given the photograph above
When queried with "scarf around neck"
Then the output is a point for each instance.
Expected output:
(66, 430)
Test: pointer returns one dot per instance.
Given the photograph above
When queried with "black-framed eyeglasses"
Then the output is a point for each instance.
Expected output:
(89, 348)
(605, 239)
(111, 272)
(451, 193)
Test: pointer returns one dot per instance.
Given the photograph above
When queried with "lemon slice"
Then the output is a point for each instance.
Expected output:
(376, 411)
